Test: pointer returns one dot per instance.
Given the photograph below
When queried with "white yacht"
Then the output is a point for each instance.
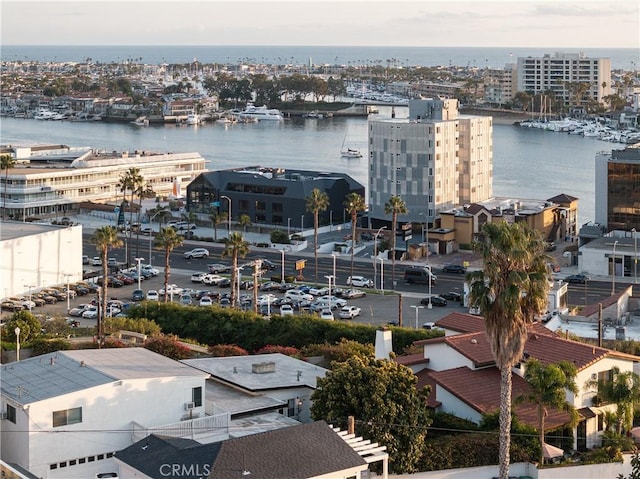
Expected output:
(193, 119)
(262, 113)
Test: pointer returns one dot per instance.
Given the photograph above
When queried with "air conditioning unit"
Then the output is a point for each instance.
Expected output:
(189, 405)
(594, 376)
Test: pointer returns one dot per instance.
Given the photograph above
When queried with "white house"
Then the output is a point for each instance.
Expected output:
(66, 413)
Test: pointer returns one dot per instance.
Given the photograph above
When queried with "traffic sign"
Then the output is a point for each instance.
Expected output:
(300, 264)
(215, 204)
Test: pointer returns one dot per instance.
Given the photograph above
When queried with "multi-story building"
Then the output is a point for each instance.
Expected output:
(561, 72)
(435, 160)
(52, 181)
(618, 189)
(500, 85)
(271, 196)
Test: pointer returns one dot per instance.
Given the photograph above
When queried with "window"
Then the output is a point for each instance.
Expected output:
(600, 422)
(196, 396)
(11, 413)
(66, 417)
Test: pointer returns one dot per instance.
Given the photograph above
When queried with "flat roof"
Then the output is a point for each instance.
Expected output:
(10, 230)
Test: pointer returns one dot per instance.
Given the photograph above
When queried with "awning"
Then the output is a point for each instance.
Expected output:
(550, 451)
(587, 413)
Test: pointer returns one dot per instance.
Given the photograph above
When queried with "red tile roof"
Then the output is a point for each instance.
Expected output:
(412, 359)
(461, 322)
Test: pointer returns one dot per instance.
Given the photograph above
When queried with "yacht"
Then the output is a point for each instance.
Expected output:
(44, 114)
(262, 113)
(193, 119)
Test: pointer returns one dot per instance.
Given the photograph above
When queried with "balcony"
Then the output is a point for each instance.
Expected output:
(202, 429)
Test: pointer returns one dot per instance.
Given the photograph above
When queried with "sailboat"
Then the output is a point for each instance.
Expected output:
(349, 152)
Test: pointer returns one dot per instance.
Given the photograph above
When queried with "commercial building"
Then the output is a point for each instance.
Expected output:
(51, 181)
(500, 85)
(271, 196)
(567, 75)
(435, 160)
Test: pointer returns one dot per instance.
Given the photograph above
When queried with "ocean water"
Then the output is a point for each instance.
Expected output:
(528, 163)
(621, 58)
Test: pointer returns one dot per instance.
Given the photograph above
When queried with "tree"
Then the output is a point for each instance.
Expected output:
(104, 238)
(383, 397)
(191, 218)
(622, 389)
(549, 384)
(317, 201)
(167, 239)
(244, 221)
(510, 291)
(131, 181)
(394, 206)
(216, 219)
(354, 203)
(6, 162)
(234, 246)
(30, 327)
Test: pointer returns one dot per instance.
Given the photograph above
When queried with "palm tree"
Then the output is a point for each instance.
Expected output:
(316, 202)
(354, 203)
(167, 239)
(510, 291)
(234, 246)
(190, 218)
(549, 384)
(244, 221)
(622, 389)
(104, 238)
(132, 182)
(394, 206)
(216, 219)
(6, 162)
(145, 191)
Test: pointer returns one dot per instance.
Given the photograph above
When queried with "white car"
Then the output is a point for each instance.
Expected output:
(197, 277)
(326, 314)
(78, 310)
(360, 282)
(334, 301)
(349, 312)
(171, 289)
(206, 301)
(150, 269)
(266, 299)
(297, 295)
(318, 291)
(96, 261)
(212, 279)
(197, 253)
(286, 310)
(152, 295)
(90, 313)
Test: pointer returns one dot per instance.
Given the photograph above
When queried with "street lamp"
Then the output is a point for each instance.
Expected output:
(68, 307)
(335, 255)
(375, 255)
(381, 274)
(635, 256)
(301, 224)
(282, 266)
(138, 262)
(17, 331)
(237, 285)
(429, 306)
(330, 278)
(288, 227)
(151, 236)
(31, 286)
(229, 218)
(416, 307)
(613, 282)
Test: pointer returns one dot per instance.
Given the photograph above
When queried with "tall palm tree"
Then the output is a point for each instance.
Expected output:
(104, 238)
(549, 384)
(191, 218)
(133, 182)
(510, 291)
(167, 240)
(354, 203)
(234, 246)
(244, 221)
(317, 201)
(395, 206)
(6, 162)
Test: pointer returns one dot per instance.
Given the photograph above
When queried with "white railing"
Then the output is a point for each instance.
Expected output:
(212, 426)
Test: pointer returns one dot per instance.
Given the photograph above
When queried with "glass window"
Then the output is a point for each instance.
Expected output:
(67, 416)
(11, 413)
(196, 396)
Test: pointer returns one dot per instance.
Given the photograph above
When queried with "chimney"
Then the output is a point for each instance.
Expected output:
(383, 345)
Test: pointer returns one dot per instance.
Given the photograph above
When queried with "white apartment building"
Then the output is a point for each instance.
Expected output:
(434, 160)
(500, 85)
(66, 413)
(557, 71)
(52, 182)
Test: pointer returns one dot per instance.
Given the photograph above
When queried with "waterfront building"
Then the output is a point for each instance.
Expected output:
(271, 196)
(435, 160)
(559, 71)
(500, 85)
(51, 181)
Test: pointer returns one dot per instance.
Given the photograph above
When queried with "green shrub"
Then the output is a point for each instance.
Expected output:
(280, 237)
(43, 346)
(226, 350)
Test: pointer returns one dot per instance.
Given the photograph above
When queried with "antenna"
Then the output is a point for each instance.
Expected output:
(245, 472)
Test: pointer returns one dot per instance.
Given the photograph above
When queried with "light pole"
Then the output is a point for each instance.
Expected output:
(381, 274)
(17, 331)
(613, 282)
(417, 308)
(138, 262)
(237, 285)
(282, 266)
(335, 255)
(31, 286)
(429, 306)
(301, 223)
(375, 255)
(68, 307)
(151, 237)
(288, 227)
(229, 218)
(330, 278)
(635, 256)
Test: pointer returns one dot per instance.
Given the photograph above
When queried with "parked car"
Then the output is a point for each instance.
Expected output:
(434, 300)
(90, 313)
(96, 261)
(352, 294)
(270, 286)
(152, 295)
(267, 265)
(219, 268)
(137, 295)
(577, 278)
(112, 262)
(171, 289)
(85, 259)
(318, 291)
(197, 277)
(38, 301)
(150, 269)
(186, 300)
(10, 305)
(206, 301)
(360, 282)
(349, 312)
(197, 253)
(454, 268)
(326, 314)
(224, 283)
(296, 294)
(286, 310)
(212, 279)
(452, 296)
(333, 300)
(284, 287)
(78, 310)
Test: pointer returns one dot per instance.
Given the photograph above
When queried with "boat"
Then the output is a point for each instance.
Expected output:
(141, 121)
(193, 119)
(315, 114)
(349, 152)
(44, 114)
(262, 113)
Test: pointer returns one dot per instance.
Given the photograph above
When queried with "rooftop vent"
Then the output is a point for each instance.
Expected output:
(263, 368)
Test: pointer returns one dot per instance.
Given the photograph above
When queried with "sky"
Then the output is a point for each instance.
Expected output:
(424, 23)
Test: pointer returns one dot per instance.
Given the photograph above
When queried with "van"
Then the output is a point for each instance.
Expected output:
(420, 275)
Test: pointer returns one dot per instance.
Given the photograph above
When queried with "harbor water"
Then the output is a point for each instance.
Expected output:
(528, 162)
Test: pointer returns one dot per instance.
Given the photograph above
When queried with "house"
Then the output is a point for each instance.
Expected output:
(65, 414)
(305, 451)
(466, 383)
(278, 381)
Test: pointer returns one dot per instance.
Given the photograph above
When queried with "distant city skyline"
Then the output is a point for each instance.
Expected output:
(425, 23)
